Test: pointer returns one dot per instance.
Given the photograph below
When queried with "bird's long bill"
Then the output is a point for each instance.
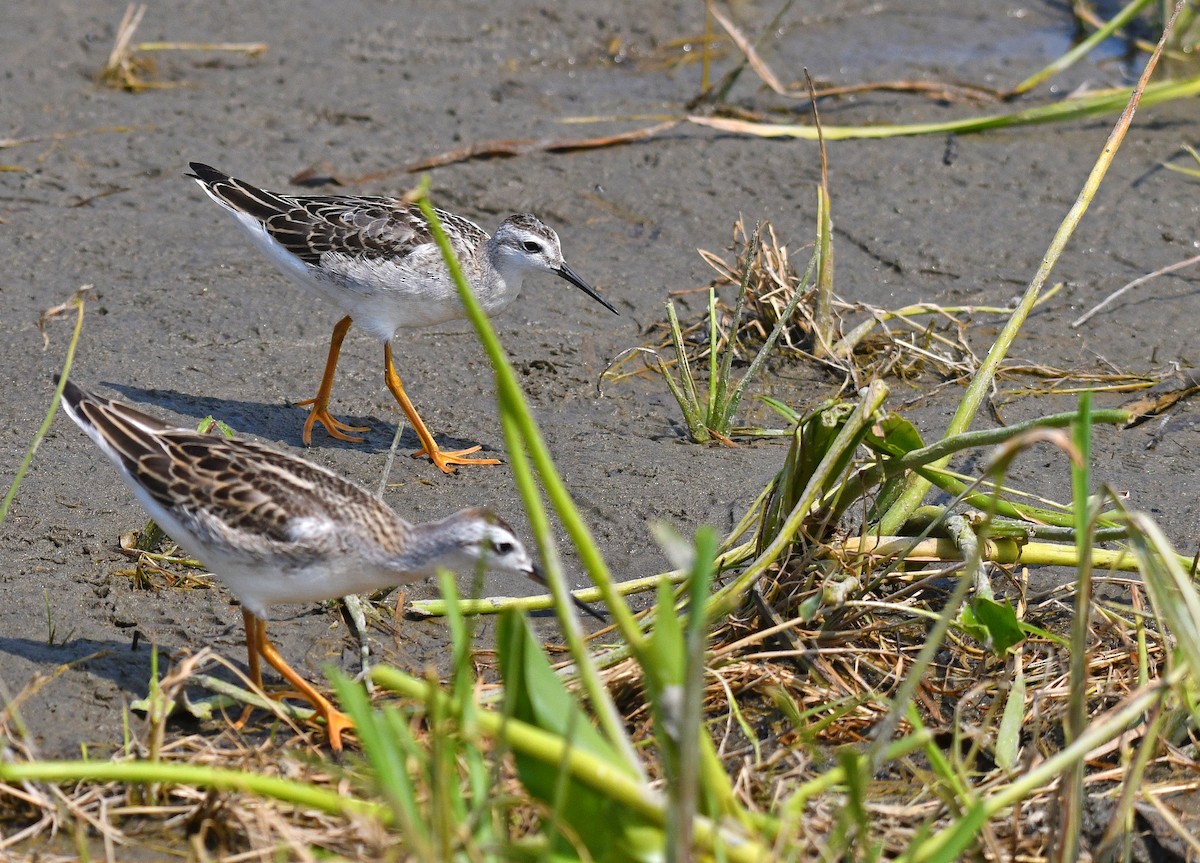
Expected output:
(540, 577)
(573, 277)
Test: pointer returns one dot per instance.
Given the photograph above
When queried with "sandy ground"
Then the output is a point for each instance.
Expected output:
(189, 321)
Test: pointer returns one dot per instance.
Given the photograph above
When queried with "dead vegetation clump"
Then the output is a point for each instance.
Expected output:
(924, 345)
(926, 338)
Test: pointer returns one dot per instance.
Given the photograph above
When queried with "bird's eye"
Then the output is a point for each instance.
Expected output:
(531, 247)
(502, 548)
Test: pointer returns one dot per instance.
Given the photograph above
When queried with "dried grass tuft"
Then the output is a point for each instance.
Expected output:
(128, 67)
(924, 342)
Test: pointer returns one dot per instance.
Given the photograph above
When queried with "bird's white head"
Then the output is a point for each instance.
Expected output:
(522, 244)
(478, 537)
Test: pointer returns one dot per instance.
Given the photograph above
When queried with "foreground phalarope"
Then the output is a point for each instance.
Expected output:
(279, 529)
(375, 258)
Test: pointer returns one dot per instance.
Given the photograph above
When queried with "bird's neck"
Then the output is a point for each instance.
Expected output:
(426, 550)
(500, 283)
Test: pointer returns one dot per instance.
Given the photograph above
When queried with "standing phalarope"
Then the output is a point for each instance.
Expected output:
(375, 258)
(279, 529)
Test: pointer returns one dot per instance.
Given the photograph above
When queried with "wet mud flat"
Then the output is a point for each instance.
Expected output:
(188, 321)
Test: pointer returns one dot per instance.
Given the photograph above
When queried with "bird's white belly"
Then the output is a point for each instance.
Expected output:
(259, 590)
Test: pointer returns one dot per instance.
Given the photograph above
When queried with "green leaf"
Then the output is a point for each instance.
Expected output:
(1008, 736)
(898, 434)
(534, 694)
(992, 623)
(666, 643)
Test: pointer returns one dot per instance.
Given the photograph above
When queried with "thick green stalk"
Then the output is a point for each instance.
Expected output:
(996, 549)
(990, 437)
(606, 711)
(220, 779)
(484, 605)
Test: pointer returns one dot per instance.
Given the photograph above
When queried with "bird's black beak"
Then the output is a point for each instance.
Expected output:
(573, 277)
(540, 577)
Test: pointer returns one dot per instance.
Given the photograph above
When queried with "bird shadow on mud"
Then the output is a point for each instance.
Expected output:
(279, 422)
(126, 666)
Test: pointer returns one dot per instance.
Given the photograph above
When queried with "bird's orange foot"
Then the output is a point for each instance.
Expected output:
(336, 724)
(446, 461)
(335, 427)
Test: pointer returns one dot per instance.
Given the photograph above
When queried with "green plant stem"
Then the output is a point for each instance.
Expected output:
(524, 437)
(485, 605)
(956, 485)
(1071, 794)
(716, 385)
(597, 774)
(1083, 48)
(1073, 109)
(917, 486)
(823, 309)
(990, 437)
(606, 711)
(301, 794)
(1024, 530)
(995, 549)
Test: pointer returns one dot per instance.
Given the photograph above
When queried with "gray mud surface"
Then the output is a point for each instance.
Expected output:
(189, 321)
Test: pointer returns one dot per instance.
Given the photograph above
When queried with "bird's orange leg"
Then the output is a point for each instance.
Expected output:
(445, 461)
(252, 663)
(320, 403)
(336, 722)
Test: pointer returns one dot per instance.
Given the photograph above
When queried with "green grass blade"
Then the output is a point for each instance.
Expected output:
(523, 438)
(387, 756)
(689, 401)
(75, 302)
(715, 383)
(1072, 796)
(599, 774)
(823, 310)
